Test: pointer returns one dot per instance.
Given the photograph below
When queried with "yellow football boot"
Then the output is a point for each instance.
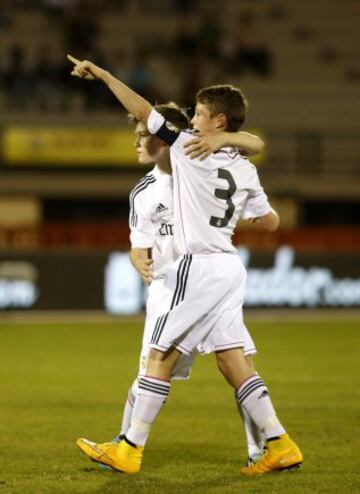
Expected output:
(281, 454)
(121, 456)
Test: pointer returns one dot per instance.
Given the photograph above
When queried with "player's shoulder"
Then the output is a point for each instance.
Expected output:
(184, 135)
(245, 167)
(241, 159)
(237, 164)
(228, 157)
(246, 163)
(149, 178)
(146, 183)
(228, 153)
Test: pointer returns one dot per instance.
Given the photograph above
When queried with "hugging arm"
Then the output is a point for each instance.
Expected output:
(269, 221)
(204, 143)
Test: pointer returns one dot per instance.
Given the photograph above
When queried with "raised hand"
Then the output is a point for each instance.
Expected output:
(84, 69)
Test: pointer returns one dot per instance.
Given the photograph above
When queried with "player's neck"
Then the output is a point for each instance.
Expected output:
(164, 166)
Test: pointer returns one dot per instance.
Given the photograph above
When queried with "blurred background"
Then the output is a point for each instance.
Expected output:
(67, 162)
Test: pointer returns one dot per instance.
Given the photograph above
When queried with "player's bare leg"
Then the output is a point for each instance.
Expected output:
(234, 366)
(160, 364)
(252, 394)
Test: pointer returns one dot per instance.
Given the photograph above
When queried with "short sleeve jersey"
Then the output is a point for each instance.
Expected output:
(211, 195)
(151, 219)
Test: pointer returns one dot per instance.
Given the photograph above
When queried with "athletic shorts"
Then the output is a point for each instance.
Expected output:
(199, 307)
(155, 297)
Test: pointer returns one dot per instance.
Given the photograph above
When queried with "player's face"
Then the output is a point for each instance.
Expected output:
(147, 146)
(202, 119)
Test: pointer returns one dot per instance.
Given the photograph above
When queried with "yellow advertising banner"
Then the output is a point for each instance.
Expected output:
(45, 146)
(76, 146)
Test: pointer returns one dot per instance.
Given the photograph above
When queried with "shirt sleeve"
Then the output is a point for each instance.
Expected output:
(257, 203)
(142, 228)
(164, 130)
(255, 207)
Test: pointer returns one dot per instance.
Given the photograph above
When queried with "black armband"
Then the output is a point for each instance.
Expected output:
(167, 134)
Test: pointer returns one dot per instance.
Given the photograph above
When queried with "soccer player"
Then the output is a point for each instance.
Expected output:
(151, 225)
(206, 284)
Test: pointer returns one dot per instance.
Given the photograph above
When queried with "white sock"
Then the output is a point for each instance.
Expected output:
(151, 396)
(129, 408)
(254, 397)
(255, 438)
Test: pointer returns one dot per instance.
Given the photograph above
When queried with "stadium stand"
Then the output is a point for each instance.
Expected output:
(299, 68)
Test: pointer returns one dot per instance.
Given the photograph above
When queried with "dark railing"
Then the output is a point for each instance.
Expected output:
(115, 235)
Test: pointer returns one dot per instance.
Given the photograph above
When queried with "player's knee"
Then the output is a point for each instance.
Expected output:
(160, 364)
(228, 359)
(156, 355)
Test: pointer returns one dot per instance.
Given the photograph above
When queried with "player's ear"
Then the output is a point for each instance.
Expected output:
(221, 121)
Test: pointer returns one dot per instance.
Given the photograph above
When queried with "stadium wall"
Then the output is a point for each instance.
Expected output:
(107, 281)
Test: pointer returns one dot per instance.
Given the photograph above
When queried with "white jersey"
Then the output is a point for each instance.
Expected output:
(151, 219)
(211, 195)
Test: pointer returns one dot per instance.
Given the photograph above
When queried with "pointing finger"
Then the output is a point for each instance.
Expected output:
(73, 59)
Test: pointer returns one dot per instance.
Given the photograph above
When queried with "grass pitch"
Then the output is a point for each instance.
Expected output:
(63, 381)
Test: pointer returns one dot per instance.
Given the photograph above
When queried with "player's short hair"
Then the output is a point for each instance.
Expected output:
(225, 99)
(173, 113)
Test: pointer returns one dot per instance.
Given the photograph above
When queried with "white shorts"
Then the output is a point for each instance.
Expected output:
(155, 297)
(200, 307)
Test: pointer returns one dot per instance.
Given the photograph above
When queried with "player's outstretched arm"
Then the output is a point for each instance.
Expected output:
(269, 221)
(133, 102)
(141, 262)
(204, 143)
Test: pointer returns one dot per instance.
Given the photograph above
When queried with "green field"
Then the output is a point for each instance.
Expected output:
(63, 381)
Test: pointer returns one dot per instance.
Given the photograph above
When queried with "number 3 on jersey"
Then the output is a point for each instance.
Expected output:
(226, 195)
